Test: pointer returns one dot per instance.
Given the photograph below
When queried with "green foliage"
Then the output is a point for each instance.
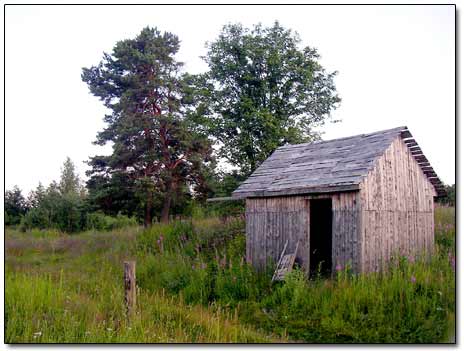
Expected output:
(262, 90)
(445, 223)
(36, 218)
(153, 141)
(69, 181)
(65, 207)
(406, 304)
(450, 198)
(235, 282)
(100, 221)
(36, 196)
(15, 206)
(113, 194)
(56, 210)
(222, 184)
(162, 237)
(60, 206)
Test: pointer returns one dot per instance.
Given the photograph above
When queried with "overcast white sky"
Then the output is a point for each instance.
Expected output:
(395, 64)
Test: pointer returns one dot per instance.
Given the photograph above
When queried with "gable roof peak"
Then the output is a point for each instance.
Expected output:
(326, 165)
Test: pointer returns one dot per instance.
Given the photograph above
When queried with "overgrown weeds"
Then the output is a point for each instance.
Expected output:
(195, 286)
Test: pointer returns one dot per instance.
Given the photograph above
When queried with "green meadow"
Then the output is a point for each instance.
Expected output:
(193, 285)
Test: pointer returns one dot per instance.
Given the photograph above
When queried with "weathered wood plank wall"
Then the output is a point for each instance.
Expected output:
(346, 242)
(270, 222)
(396, 201)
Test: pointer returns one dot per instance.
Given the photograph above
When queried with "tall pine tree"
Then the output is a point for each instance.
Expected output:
(153, 143)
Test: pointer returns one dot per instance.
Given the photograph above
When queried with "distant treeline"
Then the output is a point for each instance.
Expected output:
(69, 206)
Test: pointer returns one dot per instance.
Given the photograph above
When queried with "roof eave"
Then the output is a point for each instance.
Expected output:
(298, 191)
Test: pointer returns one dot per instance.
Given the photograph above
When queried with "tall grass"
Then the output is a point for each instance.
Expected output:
(42, 310)
(194, 286)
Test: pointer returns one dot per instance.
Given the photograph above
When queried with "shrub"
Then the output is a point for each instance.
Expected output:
(63, 212)
(14, 206)
(100, 221)
(35, 218)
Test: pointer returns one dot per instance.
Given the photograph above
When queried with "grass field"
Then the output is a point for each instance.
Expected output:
(194, 286)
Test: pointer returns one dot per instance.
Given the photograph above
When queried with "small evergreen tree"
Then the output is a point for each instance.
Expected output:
(36, 196)
(15, 206)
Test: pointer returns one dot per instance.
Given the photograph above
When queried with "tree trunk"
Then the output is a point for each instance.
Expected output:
(148, 205)
(166, 207)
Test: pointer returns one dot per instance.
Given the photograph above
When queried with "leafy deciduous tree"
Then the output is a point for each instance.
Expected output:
(69, 180)
(60, 206)
(262, 91)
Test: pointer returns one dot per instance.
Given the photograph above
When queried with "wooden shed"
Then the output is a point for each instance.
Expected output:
(356, 200)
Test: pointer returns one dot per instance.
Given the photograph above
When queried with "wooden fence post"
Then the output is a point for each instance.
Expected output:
(129, 287)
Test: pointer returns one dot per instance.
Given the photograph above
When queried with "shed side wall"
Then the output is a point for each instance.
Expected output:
(397, 208)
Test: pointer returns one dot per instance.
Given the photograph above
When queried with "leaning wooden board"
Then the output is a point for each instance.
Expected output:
(285, 264)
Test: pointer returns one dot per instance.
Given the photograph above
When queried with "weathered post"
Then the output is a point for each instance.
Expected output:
(129, 287)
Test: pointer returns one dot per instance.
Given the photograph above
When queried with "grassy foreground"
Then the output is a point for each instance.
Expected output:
(194, 286)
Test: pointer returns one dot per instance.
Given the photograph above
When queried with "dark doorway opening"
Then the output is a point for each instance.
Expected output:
(320, 236)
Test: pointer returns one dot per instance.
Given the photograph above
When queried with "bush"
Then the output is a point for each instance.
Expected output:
(100, 221)
(14, 206)
(69, 213)
(35, 218)
(63, 212)
(173, 237)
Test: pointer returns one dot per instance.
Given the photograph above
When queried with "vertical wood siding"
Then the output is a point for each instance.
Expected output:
(272, 221)
(396, 208)
(346, 243)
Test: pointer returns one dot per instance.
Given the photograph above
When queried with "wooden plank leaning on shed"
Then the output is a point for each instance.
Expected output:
(285, 264)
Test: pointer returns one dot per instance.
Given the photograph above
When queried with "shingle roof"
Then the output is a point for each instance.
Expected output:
(327, 166)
